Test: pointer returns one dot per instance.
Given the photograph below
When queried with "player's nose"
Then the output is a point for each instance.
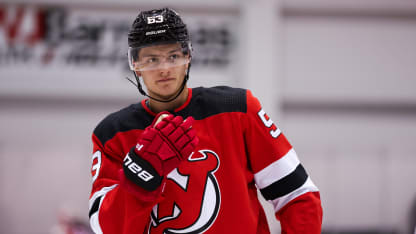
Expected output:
(164, 72)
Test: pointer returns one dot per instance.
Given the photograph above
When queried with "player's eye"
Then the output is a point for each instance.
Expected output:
(174, 57)
(152, 60)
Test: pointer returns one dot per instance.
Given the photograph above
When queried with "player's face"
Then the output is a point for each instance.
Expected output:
(163, 68)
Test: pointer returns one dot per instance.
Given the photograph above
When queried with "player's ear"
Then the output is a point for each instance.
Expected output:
(138, 73)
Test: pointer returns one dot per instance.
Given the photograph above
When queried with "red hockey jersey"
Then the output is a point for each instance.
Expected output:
(240, 151)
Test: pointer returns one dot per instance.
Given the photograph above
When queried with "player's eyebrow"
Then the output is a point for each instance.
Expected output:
(174, 50)
(150, 54)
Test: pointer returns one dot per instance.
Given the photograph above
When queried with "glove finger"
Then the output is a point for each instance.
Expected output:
(187, 123)
(166, 152)
(168, 129)
(155, 144)
(189, 148)
(177, 120)
(183, 127)
(185, 139)
(171, 126)
(176, 134)
(191, 133)
(165, 121)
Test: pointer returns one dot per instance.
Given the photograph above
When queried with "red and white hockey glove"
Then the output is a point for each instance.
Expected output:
(161, 148)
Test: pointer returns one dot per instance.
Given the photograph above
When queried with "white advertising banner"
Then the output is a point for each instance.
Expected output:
(65, 52)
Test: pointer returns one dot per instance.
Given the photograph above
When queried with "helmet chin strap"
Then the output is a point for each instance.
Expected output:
(140, 88)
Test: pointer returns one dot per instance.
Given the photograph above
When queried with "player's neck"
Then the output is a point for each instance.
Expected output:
(157, 107)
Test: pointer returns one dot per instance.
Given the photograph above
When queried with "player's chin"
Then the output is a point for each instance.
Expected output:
(169, 90)
(167, 95)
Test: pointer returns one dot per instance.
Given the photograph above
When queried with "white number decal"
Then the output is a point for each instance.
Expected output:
(155, 19)
(275, 131)
(96, 165)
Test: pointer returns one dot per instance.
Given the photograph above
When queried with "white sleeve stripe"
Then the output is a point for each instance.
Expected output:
(94, 222)
(277, 170)
(280, 202)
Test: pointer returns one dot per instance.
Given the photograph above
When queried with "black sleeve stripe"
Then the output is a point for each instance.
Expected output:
(285, 185)
(95, 206)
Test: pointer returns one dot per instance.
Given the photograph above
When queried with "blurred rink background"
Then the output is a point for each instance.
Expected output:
(338, 77)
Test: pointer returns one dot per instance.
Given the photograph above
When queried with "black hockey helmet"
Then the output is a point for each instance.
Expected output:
(159, 26)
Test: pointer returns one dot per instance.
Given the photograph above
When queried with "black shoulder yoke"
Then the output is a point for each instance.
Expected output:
(128, 118)
(216, 100)
(205, 102)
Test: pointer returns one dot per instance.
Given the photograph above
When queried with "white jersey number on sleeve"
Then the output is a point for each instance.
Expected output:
(96, 165)
(274, 131)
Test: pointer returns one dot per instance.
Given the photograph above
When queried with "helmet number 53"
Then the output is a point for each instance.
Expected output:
(155, 19)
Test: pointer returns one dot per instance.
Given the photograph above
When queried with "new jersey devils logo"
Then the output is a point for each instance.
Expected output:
(193, 196)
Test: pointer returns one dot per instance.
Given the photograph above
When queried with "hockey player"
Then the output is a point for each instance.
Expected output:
(191, 160)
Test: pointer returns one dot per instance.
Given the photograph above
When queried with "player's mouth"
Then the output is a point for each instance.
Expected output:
(164, 80)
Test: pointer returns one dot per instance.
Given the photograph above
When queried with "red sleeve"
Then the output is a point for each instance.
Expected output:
(112, 208)
(279, 175)
(302, 215)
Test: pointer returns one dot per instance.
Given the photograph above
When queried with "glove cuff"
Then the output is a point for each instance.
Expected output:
(141, 172)
(141, 194)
